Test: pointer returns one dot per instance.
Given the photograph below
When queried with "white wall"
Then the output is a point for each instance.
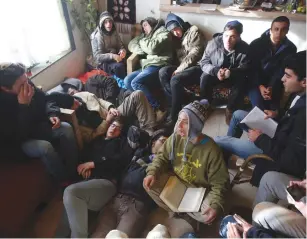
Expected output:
(211, 24)
(70, 65)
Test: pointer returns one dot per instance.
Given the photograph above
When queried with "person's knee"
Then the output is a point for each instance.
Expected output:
(69, 193)
(269, 179)
(67, 130)
(45, 148)
(262, 211)
(135, 84)
(239, 114)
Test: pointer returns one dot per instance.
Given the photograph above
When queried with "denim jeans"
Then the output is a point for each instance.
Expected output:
(235, 127)
(80, 197)
(142, 79)
(59, 157)
(240, 147)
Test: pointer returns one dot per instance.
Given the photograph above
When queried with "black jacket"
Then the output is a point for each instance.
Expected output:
(22, 122)
(132, 180)
(267, 66)
(113, 156)
(288, 147)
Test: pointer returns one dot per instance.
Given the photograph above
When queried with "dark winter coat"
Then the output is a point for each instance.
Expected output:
(288, 147)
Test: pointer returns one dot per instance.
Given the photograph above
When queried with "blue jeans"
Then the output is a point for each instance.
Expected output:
(59, 157)
(240, 147)
(141, 79)
(235, 127)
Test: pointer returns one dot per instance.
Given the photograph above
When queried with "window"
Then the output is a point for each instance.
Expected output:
(34, 31)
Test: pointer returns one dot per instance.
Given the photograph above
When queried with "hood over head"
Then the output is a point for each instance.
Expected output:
(104, 16)
(172, 21)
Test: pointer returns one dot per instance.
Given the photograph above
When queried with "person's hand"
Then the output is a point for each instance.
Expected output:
(209, 214)
(270, 114)
(265, 92)
(174, 73)
(25, 94)
(148, 182)
(117, 58)
(56, 122)
(302, 207)
(233, 231)
(114, 112)
(84, 167)
(122, 53)
(301, 184)
(86, 173)
(253, 134)
(244, 224)
(110, 117)
(221, 74)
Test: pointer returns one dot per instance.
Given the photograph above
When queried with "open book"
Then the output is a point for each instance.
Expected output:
(180, 198)
(255, 120)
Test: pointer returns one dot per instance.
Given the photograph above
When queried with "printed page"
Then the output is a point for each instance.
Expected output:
(255, 120)
(192, 200)
(173, 193)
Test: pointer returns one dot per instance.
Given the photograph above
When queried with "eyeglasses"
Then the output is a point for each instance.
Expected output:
(114, 126)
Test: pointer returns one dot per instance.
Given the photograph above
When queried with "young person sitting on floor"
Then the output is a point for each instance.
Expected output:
(288, 146)
(106, 158)
(108, 48)
(195, 159)
(129, 209)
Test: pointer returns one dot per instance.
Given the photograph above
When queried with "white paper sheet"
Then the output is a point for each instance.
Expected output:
(255, 120)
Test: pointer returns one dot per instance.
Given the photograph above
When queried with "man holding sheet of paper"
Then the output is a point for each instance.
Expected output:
(287, 146)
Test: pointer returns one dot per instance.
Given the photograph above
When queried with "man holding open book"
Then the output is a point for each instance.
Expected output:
(287, 147)
(196, 161)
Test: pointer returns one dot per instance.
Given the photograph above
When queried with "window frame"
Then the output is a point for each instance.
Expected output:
(40, 67)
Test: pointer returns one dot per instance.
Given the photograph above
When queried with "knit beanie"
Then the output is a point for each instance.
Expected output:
(197, 112)
(10, 72)
(236, 25)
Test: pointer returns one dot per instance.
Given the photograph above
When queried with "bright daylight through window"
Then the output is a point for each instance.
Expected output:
(33, 31)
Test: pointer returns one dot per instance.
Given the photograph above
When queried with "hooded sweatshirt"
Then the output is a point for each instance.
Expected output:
(205, 167)
(191, 46)
(104, 43)
(214, 58)
(154, 47)
(267, 66)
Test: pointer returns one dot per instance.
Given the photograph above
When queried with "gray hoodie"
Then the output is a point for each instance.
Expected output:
(105, 44)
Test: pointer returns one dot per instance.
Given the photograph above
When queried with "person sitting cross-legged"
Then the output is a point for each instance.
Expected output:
(129, 209)
(195, 159)
(288, 146)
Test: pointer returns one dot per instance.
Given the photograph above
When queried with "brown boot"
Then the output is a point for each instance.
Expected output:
(228, 115)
